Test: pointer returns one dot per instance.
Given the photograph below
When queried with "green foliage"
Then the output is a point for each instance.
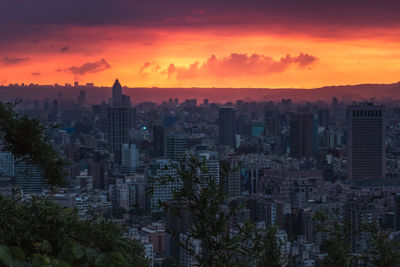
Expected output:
(337, 246)
(44, 234)
(268, 249)
(25, 138)
(169, 262)
(383, 250)
(203, 198)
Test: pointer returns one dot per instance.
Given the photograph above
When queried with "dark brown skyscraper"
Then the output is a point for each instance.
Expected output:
(365, 141)
(227, 126)
(301, 135)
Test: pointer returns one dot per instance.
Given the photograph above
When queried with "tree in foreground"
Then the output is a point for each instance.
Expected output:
(25, 138)
(383, 250)
(337, 246)
(214, 238)
(41, 233)
(38, 232)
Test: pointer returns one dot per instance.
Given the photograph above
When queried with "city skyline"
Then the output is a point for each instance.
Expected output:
(200, 133)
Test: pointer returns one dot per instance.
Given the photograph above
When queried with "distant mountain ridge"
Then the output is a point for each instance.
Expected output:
(360, 92)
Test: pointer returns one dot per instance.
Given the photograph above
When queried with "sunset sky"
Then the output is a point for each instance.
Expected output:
(221, 43)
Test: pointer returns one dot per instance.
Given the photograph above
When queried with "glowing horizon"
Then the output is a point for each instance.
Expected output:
(200, 47)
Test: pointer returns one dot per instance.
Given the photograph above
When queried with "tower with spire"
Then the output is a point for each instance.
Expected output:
(120, 119)
(116, 94)
(118, 99)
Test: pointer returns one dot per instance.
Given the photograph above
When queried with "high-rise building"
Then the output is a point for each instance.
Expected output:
(359, 211)
(365, 141)
(232, 185)
(116, 94)
(303, 135)
(29, 177)
(130, 158)
(323, 117)
(158, 140)
(227, 126)
(162, 192)
(175, 146)
(6, 164)
(210, 159)
(118, 119)
(139, 181)
(118, 127)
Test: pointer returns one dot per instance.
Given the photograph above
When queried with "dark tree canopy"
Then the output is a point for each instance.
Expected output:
(39, 230)
(25, 138)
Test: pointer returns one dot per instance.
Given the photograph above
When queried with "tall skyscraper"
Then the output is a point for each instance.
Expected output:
(158, 140)
(227, 126)
(118, 127)
(119, 119)
(116, 94)
(301, 135)
(366, 147)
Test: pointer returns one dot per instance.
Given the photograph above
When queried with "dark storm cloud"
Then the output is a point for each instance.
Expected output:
(158, 12)
(89, 67)
(13, 60)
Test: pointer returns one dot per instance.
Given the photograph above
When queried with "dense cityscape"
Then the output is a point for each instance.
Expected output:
(287, 161)
(199, 133)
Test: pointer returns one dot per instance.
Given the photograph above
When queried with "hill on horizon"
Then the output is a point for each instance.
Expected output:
(359, 92)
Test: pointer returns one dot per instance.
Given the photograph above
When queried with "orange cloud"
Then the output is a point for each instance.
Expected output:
(237, 65)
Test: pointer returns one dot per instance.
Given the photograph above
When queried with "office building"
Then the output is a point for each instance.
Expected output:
(6, 164)
(29, 177)
(365, 141)
(158, 141)
(116, 94)
(210, 158)
(303, 135)
(162, 192)
(118, 119)
(359, 211)
(232, 184)
(118, 128)
(130, 158)
(175, 146)
(227, 126)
